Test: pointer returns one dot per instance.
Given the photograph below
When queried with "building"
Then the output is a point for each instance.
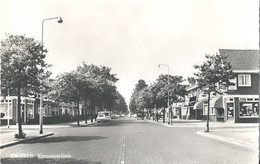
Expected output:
(194, 109)
(30, 109)
(239, 103)
(8, 109)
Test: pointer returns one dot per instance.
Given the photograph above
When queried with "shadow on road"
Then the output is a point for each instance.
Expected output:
(66, 139)
(44, 160)
(118, 122)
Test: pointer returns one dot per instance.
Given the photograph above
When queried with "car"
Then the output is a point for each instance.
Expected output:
(101, 117)
(134, 115)
(113, 116)
(140, 115)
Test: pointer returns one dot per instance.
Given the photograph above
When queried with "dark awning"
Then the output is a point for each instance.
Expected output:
(216, 102)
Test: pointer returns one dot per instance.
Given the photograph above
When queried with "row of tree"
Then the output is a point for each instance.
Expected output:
(213, 75)
(24, 71)
(156, 95)
(91, 85)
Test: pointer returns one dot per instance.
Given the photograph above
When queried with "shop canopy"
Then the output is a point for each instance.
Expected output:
(198, 105)
(216, 102)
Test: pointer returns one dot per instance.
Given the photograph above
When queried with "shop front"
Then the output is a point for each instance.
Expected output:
(246, 110)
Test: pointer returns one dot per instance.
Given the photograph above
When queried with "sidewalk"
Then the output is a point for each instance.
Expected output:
(202, 123)
(8, 139)
(32, 132)
(242, 134)
(245, 137)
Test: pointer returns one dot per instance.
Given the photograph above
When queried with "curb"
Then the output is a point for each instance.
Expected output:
(225, 139)
(158, 123)
(82, 125)
(200, 125)
(24, 140)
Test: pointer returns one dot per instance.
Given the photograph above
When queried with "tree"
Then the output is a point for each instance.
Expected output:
(92, 84)
(23, 65)
(213, 76)
(101, 91)
(120, 105)
(133, 105)
(174, 88)
(72, 87)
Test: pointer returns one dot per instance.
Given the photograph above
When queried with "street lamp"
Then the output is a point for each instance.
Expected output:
(168, 104)
(41, 95)
(59, 21)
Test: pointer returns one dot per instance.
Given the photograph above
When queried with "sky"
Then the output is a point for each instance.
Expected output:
(133, 37)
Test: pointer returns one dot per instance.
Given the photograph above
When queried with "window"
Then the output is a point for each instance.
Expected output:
(205, 109)
(249, 109)
(244, 80)
(242, 99)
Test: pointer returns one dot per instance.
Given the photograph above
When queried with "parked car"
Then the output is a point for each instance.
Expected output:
(134, 115)
(113, 116)
(103, 116)
(140, 115)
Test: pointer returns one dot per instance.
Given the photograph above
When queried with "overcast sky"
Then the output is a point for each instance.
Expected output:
(133, 36)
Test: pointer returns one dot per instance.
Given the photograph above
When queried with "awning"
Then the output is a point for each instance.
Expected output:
(216, 102)
(198, 105)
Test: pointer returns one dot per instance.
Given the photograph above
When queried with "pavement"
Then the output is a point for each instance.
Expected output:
(242, 134)
(7, 137)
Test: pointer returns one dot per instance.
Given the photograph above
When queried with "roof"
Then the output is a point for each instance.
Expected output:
(242, 59)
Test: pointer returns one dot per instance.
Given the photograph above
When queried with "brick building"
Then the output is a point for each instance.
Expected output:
(239, 103)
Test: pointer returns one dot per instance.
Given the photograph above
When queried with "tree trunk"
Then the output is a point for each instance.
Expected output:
(208, 112)
(86, 113)
(20, 132)
(78, 112)
(164, 115)
(91, 112)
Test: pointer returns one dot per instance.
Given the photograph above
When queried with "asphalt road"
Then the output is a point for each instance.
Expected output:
(127, 141)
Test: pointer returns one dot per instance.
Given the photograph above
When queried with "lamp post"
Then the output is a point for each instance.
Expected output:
(41, 95)
(168, 104)
(8, 107)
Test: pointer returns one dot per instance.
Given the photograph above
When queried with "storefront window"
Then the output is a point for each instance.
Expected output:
(5, 112)
(249, 109)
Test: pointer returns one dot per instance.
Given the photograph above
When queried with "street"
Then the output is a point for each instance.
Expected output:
(127, 140)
